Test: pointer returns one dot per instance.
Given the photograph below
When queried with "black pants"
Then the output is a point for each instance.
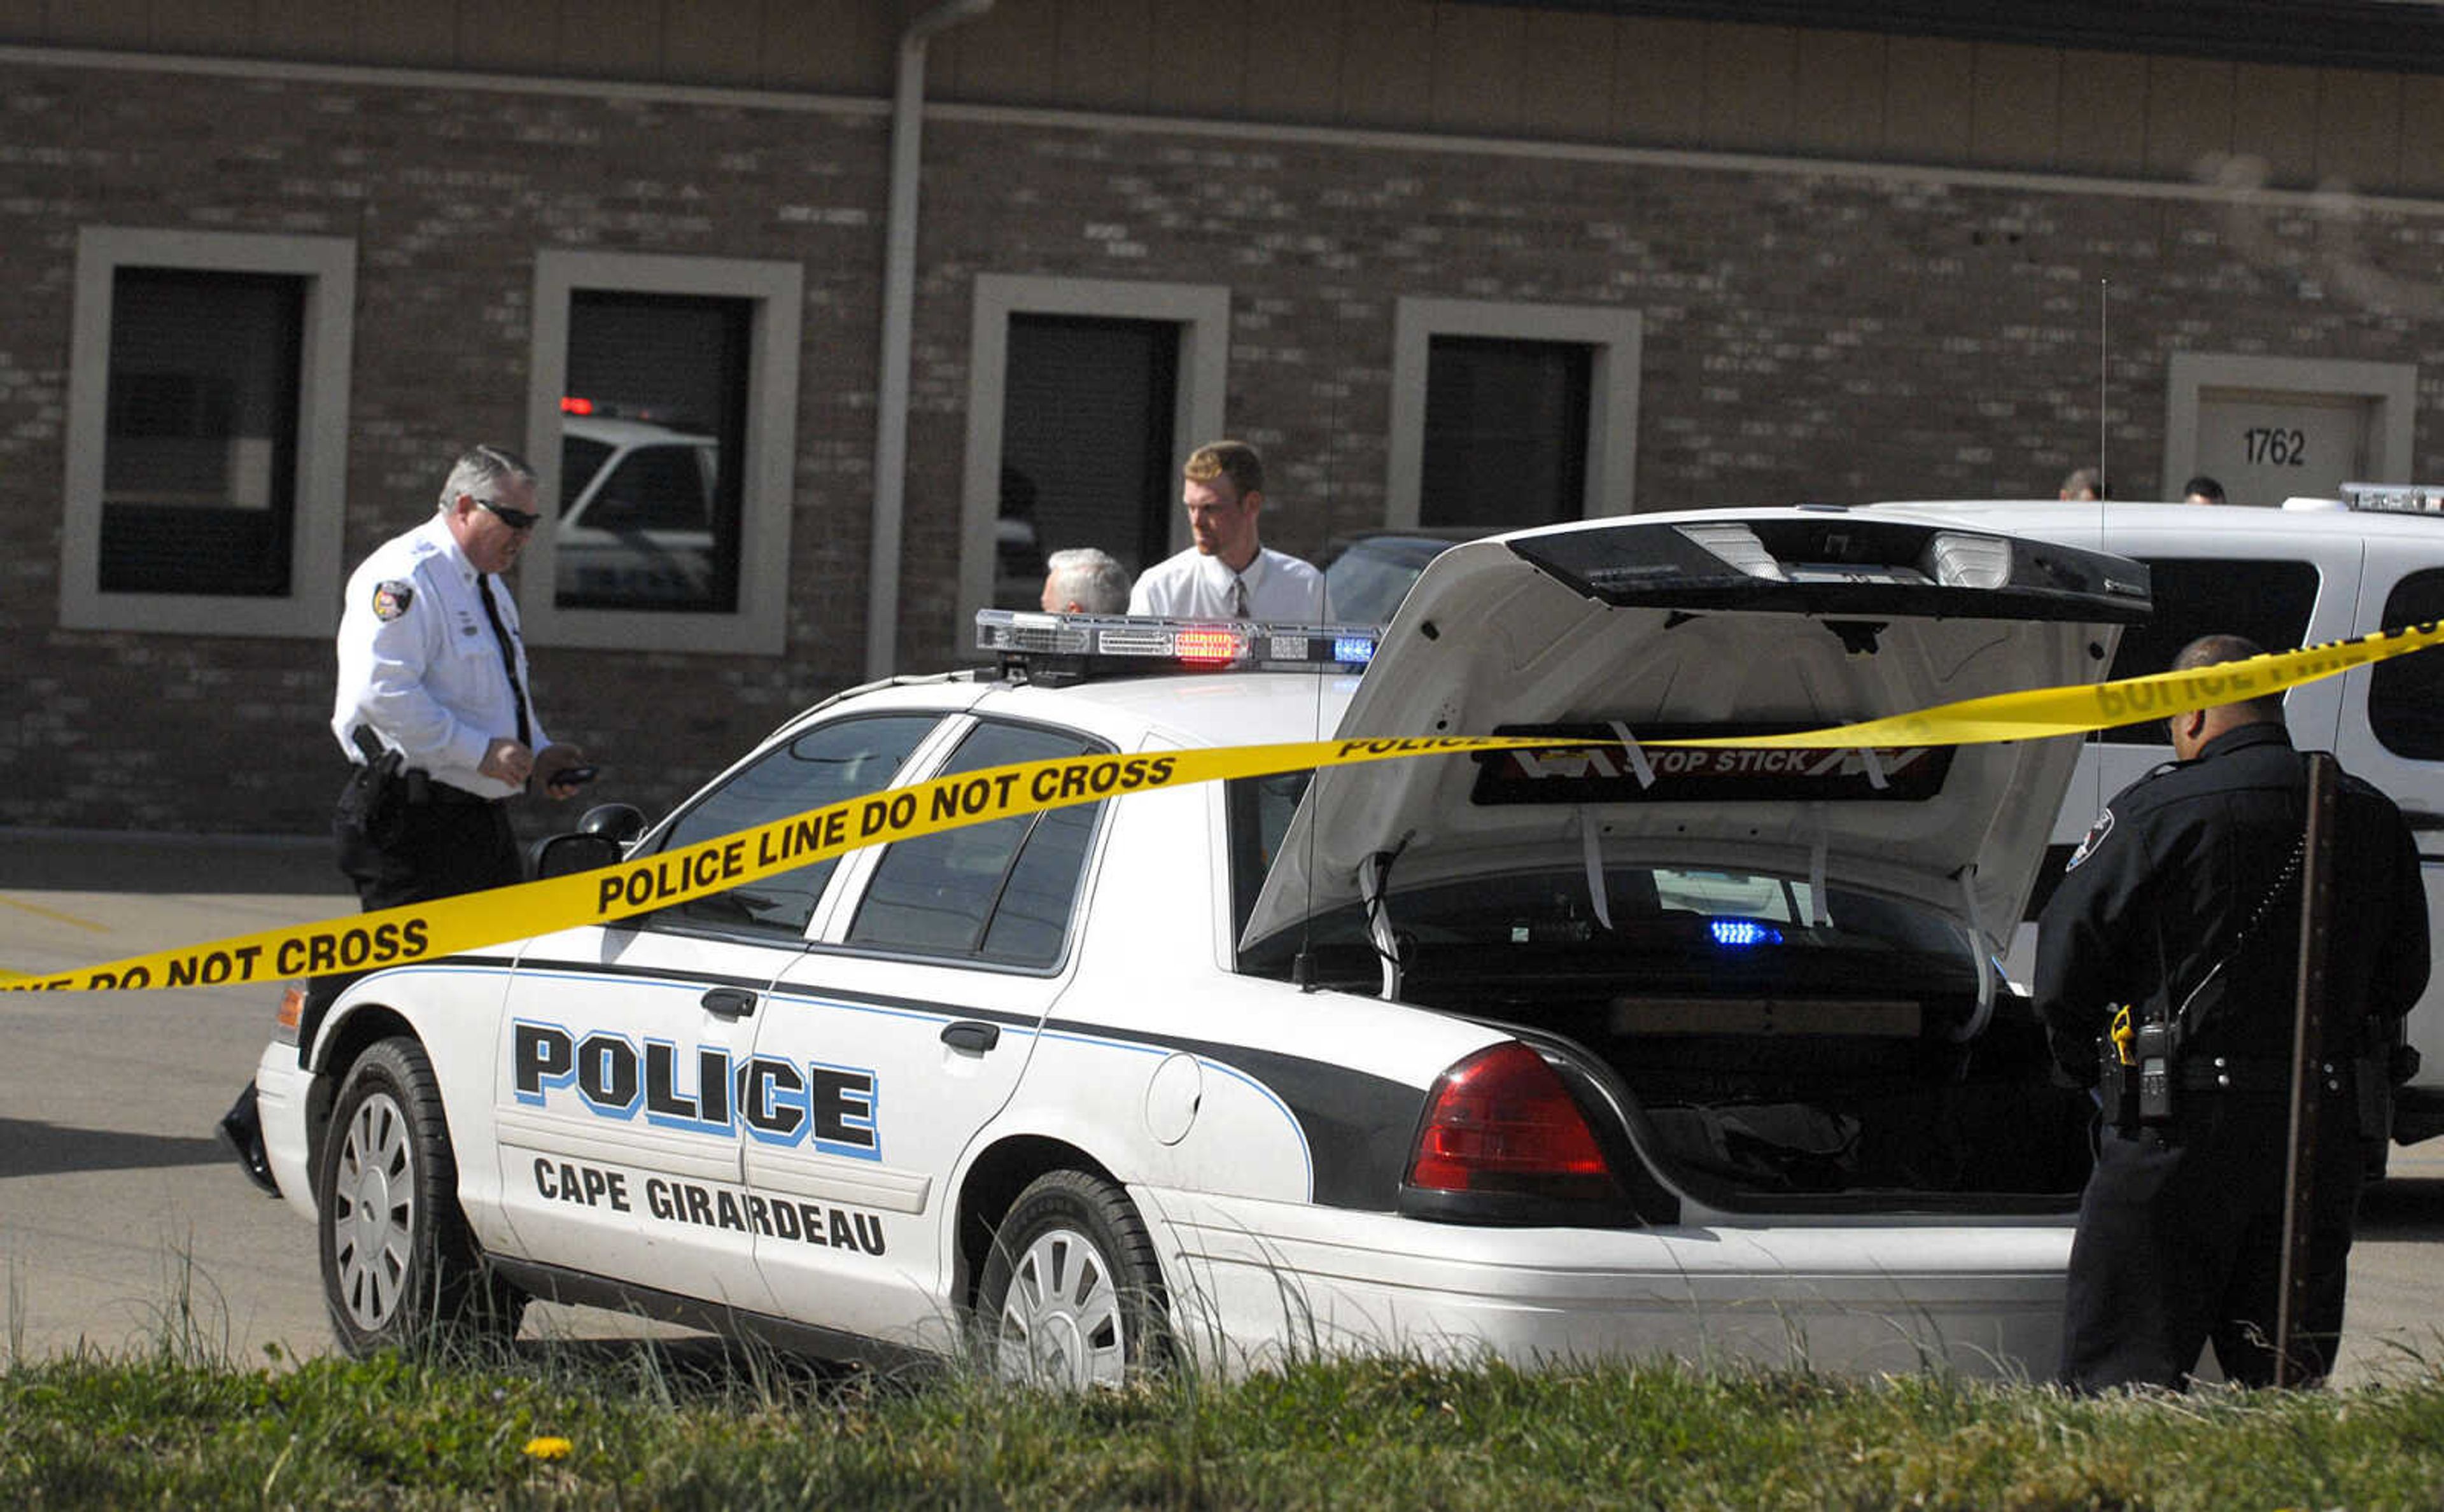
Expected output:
(399, 852)
(2180, 1241)
(396, 852)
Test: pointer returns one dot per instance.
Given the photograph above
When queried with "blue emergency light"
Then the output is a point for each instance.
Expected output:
(1738, 934)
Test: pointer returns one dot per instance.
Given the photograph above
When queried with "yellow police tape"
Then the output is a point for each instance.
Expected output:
(471, 921)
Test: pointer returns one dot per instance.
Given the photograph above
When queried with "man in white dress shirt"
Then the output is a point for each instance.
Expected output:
(1229, 574)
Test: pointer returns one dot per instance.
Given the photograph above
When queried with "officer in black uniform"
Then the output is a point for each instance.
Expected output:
(2183, 902)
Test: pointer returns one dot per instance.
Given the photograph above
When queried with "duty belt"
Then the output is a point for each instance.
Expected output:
(2256, 1074)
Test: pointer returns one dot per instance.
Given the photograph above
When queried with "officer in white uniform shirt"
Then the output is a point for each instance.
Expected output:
(432, 705)
(1229, 574)
(433, 714)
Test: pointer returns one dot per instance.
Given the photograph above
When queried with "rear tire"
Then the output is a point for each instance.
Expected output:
(400, 1268)
(1072, 1292)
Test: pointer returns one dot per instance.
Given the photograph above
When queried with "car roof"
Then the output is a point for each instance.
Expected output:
(615, 433)
(2303, 517)
(1193, 710)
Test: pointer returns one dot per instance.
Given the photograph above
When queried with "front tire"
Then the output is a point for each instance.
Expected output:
(400, 1268)
(1072, 1293)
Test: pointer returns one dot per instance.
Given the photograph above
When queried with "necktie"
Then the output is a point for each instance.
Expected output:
(1238, 598)
(509, 657)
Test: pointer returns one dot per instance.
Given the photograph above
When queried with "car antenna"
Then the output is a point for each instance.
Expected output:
(2103, 363)
(1303, 964)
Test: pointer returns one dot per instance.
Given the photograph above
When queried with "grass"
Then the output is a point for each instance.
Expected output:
(663, 1428)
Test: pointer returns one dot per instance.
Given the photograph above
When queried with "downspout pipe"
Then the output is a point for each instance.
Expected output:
(899, 321)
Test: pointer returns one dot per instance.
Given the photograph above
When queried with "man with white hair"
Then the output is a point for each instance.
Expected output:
(1084, 581)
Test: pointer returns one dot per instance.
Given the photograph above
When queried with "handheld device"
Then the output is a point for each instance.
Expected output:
(572, 777)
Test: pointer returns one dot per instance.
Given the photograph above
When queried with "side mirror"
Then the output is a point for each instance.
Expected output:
(566, 855)
(620, 821)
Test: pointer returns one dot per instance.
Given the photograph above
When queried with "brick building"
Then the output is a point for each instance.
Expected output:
(268, 266)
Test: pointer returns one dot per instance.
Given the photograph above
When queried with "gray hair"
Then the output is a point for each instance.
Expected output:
(480, 470)
(1091, 577)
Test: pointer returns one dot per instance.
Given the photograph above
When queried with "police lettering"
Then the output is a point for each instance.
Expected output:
(689, 1202)
(678, 873)
(562, 1181)
(774, 1101)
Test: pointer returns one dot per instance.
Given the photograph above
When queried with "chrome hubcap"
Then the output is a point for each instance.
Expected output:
(373, 1216)
(1061, 1324)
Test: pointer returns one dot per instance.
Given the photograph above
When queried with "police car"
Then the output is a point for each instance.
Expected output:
(637, 511)
(1594, 1048)
(2316, 570)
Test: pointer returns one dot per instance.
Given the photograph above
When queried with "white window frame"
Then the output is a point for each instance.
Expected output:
(2393, 387)
(1612, 331)
(310, 606)
(759, 626)
(1202, 311)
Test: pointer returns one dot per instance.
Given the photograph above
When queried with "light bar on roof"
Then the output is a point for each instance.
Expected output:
(1119, 645)
(2395, 498)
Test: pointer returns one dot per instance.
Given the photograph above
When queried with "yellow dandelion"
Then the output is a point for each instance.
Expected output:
(548, 1449)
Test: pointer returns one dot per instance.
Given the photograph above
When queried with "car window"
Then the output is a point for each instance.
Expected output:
(654, 487)
(826, 764)
(2406, 694)
(580, 459)
(2266, 601)
(999, 892)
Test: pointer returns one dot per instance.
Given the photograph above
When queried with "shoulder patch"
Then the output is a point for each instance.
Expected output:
(392, 596)
(2088, 846)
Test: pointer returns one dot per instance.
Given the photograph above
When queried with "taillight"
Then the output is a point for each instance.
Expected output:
(1502, 1121)
(293, 1010)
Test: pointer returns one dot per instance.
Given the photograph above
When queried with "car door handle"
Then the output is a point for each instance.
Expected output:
(729, 1002)
(968, 1035)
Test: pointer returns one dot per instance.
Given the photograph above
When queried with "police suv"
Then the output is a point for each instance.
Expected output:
(1594, 1048)
(2315, 570)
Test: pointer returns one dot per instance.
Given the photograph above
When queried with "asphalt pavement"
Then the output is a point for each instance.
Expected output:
(125, 1222)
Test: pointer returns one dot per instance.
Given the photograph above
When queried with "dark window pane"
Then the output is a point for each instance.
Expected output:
(1085, 445)
(580, 459)
(1000, 892)
(657, 488)
(200, 466)
(650, 515)
(2406, 694)
(2266, 601)
(1505, 432)
(823, 766)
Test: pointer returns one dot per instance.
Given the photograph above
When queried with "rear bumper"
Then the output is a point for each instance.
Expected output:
(1263, 1282)
(281, 1087)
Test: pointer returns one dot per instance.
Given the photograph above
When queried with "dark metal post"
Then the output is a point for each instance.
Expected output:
(2308, 1062)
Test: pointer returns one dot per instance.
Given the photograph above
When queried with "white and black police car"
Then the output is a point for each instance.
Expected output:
(1592, 1049)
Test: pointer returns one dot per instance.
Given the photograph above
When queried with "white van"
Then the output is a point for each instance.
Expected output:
(2315, 570)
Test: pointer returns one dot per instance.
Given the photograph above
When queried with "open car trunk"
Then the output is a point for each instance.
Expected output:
(1769, 972)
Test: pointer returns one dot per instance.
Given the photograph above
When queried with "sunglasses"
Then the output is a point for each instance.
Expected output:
(515, 519)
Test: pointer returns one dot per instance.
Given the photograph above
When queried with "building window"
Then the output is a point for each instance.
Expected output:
(663, 415)
(1085, 397)
(1511, 414)
(1506, 439)
(1086, 446)
(206, 432)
